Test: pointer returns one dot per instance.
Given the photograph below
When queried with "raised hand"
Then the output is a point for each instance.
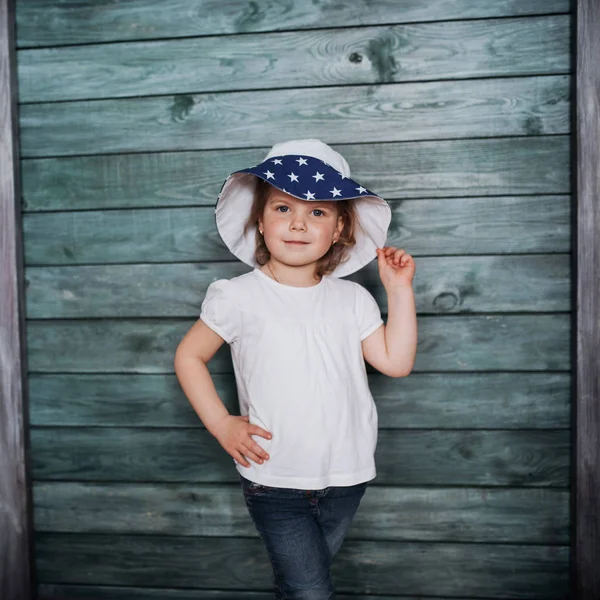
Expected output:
(396, 267)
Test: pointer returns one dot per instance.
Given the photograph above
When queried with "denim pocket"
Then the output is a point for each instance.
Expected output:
(252, 488)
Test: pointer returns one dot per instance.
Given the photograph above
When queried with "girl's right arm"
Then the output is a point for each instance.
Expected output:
(233, 432)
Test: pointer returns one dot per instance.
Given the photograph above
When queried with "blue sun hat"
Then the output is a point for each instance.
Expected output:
(309, 170)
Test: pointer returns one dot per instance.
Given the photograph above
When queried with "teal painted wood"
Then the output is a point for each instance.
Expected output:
(478, 515)
(381, 113)
(380, 567)
(423, 400)
(477, 167)
(408, 457)
(461, 226)
(474, 284)
(77, 22)
(534, 342)
(49, 591)
(424, 51)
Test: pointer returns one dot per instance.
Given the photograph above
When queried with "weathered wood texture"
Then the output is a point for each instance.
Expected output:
(482, 514)
(452, 284)
(466, 226)
(16, 580)
(537, 105)
(83, 592)
(93, 592)
(486, 400)
(586, 480)
(404, 457)
(77, 22)
(537, 342)
(459, 570)
(449, 50)
(427, 169)
(458, 113)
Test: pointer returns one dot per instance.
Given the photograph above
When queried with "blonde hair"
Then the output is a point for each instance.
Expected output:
(337, 253)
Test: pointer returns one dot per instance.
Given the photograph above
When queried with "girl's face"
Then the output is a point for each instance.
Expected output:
(299, 232)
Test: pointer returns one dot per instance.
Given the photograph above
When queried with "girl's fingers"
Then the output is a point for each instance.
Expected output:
(250, 454)
(257, 448)
(238, 456)
(255, 429)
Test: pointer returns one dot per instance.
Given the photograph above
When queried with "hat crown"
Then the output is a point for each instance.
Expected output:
(314, 148)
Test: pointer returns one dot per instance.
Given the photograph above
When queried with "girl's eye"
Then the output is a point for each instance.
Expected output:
(279, 207)
(321, 213)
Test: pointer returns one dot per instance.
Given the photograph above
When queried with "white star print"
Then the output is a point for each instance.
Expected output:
(309, 195)
(341, 175)
(301, 161)
(317, 176)
(277, 161)
(335, 192)
(293, 177)
(361, 189)
(269, 174)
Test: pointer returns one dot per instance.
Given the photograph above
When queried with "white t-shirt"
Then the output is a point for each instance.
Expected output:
(301, 375)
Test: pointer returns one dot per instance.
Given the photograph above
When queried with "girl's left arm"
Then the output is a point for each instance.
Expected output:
(391, 349)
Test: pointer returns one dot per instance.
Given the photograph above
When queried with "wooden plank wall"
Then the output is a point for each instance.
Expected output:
(131, 116)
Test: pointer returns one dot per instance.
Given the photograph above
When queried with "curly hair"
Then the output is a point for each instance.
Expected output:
(337, 253)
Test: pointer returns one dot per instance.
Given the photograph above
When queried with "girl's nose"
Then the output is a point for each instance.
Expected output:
(298, 223)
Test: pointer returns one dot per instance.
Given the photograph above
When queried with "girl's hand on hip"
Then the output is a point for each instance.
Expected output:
(396, 267)
(233, 433)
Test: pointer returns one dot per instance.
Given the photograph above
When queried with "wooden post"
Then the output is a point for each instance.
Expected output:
(586, 304)
(15, 514)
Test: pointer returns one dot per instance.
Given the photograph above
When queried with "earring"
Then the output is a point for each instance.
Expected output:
(260, 231)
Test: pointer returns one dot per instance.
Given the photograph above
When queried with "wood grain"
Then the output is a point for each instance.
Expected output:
(49, 591)
(461, 226)
(586, 323)
(404, 457)
(459, 570)
(16, 570)
(537, 105)
(80, 22)
(534, 342)
(424, 169)
(368, 55)
(444, 285)
(424, 400)
(478, 515)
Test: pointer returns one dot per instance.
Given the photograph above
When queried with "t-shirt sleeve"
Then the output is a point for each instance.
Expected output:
(219, 310)
(368, 314)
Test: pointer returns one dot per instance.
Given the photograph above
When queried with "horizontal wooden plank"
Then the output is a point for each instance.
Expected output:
(454, 284)
(446, 343)
(536, 516)
(423, 51)
(167, 235)
(374, 113)
(80, 22)
(53, 591)
(404, 457)
(459, 570)
(423, 400)
(498, 166)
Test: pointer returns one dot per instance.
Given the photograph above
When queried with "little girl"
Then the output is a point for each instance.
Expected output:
(299, 337)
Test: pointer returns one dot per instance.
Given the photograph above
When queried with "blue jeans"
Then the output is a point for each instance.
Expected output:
(302, 531)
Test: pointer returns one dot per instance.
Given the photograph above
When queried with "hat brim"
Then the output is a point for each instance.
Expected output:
(237, 196)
